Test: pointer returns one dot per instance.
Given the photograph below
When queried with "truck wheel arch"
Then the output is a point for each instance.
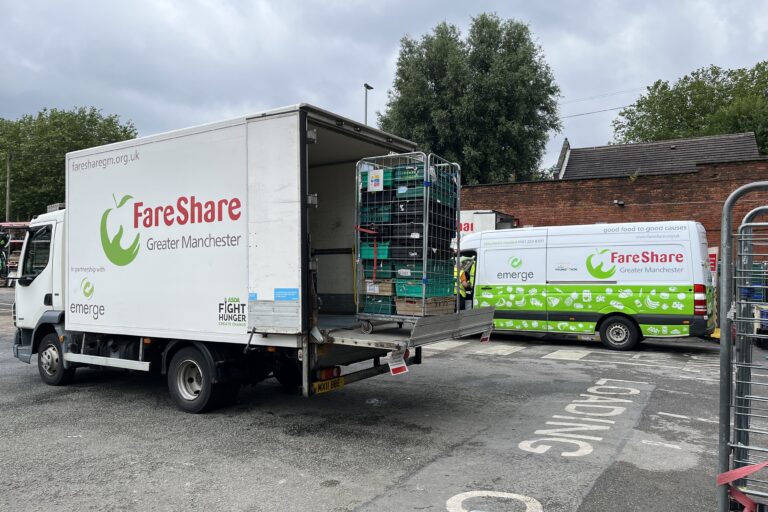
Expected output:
(50, 322)
(213, 356)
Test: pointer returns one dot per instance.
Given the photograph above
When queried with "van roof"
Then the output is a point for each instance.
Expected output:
(474, 238)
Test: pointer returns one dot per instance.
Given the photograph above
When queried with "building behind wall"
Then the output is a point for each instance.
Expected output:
(687, 179)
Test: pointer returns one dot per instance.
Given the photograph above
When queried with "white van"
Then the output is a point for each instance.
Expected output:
(625, 281)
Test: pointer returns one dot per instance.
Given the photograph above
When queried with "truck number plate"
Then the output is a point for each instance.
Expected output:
(325, 386)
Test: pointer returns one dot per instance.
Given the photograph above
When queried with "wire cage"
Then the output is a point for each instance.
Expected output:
(407, 219)
(749, 398)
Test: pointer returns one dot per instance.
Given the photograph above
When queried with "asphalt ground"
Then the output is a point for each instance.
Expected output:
(486, 427)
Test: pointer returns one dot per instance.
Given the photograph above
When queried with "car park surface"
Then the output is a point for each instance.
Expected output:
(502, 426)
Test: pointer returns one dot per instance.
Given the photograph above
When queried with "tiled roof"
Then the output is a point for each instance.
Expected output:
(662, 157)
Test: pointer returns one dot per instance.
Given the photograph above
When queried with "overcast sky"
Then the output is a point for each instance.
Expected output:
(170, 64)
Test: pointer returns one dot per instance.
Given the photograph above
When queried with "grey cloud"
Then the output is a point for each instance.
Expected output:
(167, 64)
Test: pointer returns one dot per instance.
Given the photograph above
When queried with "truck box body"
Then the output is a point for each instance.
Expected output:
(198, 234)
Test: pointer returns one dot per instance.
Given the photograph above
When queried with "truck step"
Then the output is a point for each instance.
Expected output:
(128, 364)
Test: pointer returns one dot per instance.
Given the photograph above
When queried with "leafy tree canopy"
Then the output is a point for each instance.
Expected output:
(487, 101)
(709, 101)
(38, 145)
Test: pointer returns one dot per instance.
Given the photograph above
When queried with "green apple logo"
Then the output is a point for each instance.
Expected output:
(112, 248)
(515, 262)
(597, 271)
(87, 288)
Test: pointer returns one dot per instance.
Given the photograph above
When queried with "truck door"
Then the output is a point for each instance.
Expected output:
(33, 292)
(511, 277)
(276, 241)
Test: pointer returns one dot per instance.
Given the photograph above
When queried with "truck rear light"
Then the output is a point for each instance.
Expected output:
(328, 373)
(699, 299)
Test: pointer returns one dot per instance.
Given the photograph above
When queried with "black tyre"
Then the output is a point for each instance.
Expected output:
(190, 383)
(50, 362)
(288, 374)
(619, 333)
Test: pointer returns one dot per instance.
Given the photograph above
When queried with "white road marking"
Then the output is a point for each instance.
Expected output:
(499, 350)
(456, 503)
(567, 355)
(680, 416)
(665, 445)
(445, 345)
(673, 415)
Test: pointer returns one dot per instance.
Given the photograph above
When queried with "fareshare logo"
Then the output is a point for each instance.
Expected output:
(86, 286)
(112, 248)
(597, 271)
(515, 262)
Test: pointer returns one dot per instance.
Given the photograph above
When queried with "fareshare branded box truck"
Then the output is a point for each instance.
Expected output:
(196, 253)
(623, 281)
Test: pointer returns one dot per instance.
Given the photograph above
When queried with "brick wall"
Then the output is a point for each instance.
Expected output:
(695, 196)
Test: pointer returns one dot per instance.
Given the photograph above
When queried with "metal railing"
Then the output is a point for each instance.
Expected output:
(743, 366)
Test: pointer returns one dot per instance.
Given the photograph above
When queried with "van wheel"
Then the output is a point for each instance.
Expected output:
(619, 333)
(50, 362)
(189, 381)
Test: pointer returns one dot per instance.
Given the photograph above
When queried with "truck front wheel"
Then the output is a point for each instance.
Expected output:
(50, 362)
(190, 381)
(619, 333)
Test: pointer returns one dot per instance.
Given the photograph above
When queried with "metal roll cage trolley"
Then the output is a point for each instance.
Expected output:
(743, 313)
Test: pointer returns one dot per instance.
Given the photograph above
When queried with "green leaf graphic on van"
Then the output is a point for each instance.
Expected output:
(112, 248)
(597, 271)
(87, 288)
(515, 262)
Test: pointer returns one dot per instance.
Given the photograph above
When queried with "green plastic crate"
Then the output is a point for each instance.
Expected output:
(384, 269)
(412, 172)
(375, 213)
(416, 191)
(410, 270)
(388, 175)
(378, 305)
(382, 251)
(413, 288)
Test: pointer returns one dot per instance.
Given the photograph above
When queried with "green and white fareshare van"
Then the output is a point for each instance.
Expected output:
(624, 281)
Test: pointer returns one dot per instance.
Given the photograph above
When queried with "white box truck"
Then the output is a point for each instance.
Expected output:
(205, 253)
(624, 281)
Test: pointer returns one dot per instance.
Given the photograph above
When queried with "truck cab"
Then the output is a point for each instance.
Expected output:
(39, 307)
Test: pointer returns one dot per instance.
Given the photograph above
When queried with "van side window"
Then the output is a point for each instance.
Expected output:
(38, 251)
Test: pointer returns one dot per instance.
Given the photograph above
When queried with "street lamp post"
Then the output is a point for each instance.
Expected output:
(367, 88)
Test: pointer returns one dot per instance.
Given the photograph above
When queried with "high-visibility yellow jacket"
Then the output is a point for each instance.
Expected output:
(459, 288)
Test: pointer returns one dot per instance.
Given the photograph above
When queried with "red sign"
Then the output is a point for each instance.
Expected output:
(712, 252)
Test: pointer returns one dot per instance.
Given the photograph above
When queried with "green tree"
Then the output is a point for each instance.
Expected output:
(38, 146)
(487, 101)
(709, 101)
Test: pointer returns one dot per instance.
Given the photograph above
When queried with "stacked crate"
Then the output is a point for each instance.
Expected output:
(406, 222)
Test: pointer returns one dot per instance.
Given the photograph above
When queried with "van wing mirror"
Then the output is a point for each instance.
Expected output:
(25, 280)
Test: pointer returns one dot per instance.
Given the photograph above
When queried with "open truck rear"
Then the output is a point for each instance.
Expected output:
(218, 255)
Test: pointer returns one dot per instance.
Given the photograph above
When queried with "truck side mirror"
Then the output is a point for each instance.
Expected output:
(25, 280)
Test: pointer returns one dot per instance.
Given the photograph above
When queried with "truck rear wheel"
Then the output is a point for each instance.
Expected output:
(50, 362)
(619, 333)
(190, 377)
